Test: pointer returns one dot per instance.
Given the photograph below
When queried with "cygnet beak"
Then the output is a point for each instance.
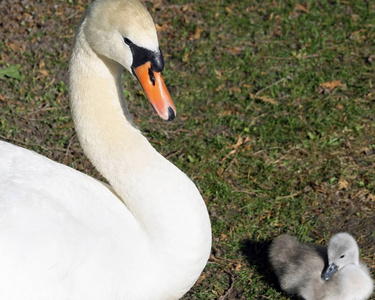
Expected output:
(331, 269)
(156, 91)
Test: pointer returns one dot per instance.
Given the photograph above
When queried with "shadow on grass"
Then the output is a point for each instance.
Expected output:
(256, 253)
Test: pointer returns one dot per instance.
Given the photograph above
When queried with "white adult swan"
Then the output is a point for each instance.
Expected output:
(318, 273)
(65, 235)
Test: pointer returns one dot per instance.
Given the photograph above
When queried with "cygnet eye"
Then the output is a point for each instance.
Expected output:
(342, 256)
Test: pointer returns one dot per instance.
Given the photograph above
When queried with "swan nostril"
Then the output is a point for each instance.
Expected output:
(152, 76)
(171, 114)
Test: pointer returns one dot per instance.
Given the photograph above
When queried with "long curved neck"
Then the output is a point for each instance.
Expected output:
(163, 201)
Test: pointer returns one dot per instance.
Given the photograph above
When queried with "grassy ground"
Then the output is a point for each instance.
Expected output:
(276, 121)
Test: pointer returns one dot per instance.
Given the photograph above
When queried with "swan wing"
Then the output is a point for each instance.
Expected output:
(57, 226)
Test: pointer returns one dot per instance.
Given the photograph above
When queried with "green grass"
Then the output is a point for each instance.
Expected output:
(275, 125)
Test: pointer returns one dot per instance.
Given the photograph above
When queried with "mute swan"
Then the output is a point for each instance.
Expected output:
(65, 235)
(318, 273)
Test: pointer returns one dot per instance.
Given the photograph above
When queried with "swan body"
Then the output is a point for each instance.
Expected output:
(318, 273)
(65, 235)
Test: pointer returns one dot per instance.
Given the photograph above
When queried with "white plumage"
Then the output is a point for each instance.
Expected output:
(65, 235)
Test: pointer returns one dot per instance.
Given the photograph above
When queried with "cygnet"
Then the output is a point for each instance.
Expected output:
(318, 273)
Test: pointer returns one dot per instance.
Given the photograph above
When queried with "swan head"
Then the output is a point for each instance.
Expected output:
(342, 251)
(123, 31)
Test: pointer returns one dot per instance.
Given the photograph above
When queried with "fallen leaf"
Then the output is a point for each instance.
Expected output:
(15, 46)
(218, 73)
(358, 36)
(162, 27)
(238, 267)
(343, 184)
(239, 143)
(302, 8)
(196, 35)
(329, 86)
(186, 57)
(42, 64)
(371, 59)
(188, 7)
(264, 98)
(236, 146)
(43, 72)
(235, 89)
(235, 50)
(219, 88)
(229, 11)
(229, 154)
(223, 237)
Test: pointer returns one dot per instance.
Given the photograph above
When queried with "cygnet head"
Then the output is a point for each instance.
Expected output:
(342, 251)
(123, 31)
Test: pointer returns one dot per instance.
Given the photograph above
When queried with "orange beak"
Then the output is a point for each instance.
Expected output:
(156, 91)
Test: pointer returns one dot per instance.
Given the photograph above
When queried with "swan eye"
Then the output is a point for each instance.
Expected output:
(142, 55)
(128, 42)
(342, 256)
